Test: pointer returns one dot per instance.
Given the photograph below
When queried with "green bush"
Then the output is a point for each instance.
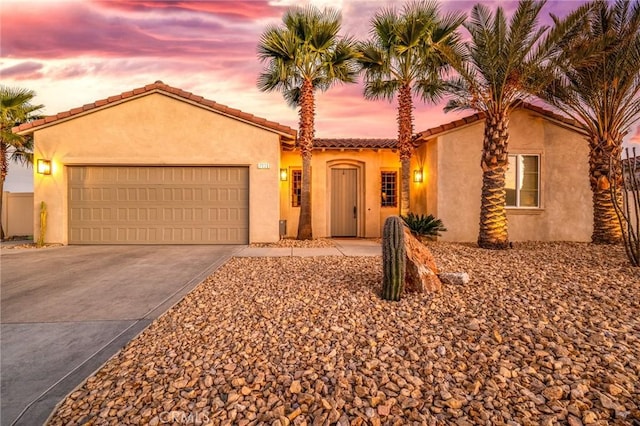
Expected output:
(424, 226)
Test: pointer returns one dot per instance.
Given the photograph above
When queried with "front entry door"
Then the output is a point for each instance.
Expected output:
(344, 202)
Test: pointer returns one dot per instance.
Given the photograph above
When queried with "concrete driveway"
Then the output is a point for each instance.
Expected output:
(66, 310)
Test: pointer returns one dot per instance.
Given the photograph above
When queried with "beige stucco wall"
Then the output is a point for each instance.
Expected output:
(17, 213)
(565, 213)
(369, 163)
(157, 129)
(418, 191)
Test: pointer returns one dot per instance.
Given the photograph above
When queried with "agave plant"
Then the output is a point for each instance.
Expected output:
(424, 226)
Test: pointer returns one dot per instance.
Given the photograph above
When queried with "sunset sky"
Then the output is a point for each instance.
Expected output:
(74, 52)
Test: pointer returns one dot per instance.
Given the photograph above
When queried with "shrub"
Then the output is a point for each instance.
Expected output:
(426, 226)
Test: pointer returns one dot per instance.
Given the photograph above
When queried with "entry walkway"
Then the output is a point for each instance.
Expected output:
(344, 247)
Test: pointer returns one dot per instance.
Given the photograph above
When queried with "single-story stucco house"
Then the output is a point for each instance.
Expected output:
(158, 165)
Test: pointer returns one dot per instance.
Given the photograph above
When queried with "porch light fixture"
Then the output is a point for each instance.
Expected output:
(44, 167)
(284, 175)
(417, 176)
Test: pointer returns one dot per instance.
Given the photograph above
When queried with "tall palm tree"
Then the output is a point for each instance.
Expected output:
(405, 55)
(599, 86)
(15, 108)
(305, 55)
(500, 67)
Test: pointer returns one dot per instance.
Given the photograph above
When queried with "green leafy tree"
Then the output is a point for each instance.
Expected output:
(15, 108)
(403, 55)
(304, 55)
(501, 65)
(598, 85)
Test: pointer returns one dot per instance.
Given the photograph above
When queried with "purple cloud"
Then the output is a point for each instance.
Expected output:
(23, 70)
(74, 29)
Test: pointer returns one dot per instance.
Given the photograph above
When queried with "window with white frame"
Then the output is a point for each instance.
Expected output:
(523, 181)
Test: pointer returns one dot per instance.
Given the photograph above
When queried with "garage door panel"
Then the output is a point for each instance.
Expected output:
(158, 205)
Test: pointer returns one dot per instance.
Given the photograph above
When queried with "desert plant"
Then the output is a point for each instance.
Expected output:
(403, 55)
(500, 66)
(15, 108)
(598, 85)
(627, 207)
(43, 224)
(303, 55)
(394, 262)
(424, 226)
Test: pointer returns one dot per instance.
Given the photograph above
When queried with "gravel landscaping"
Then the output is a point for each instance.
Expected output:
(290, 242)
(542, 334)
(28, 246)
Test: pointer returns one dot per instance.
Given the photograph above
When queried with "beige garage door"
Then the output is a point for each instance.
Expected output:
(158, 205)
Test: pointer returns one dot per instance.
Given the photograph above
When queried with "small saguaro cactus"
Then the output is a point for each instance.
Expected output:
(394, 261)
(43, 224)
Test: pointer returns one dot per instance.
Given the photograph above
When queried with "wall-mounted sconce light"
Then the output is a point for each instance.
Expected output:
(284, 174)
(417, 176)
(44, 167)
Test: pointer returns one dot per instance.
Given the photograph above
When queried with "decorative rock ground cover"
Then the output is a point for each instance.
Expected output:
(28, 246)
(542, 334)
(289, 242)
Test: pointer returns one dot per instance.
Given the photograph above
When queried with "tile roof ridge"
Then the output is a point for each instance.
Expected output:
(158, 85)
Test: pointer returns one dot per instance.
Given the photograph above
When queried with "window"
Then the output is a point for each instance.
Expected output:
(296, 187)
(389, 190)
(522, 181)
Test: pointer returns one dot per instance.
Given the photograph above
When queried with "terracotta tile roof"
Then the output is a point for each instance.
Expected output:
(159, 86)
(434, 131)
(344, 143)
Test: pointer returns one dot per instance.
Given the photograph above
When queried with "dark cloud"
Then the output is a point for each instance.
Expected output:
(75, 29)
(23, 70)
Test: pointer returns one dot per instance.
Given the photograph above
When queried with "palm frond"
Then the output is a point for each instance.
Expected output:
(306, 47)
(381, 89)
(599, 78)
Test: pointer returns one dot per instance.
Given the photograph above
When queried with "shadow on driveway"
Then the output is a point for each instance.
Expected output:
(66, 310)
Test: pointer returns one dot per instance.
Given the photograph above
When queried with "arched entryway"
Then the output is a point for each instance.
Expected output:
(345, 198)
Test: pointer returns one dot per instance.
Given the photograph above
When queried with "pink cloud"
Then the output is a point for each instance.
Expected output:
(76, 29)
(234, 10)
(23, 71)
(208, 47)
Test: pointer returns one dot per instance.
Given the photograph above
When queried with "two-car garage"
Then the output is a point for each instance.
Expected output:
(158, 165)
(158, 205)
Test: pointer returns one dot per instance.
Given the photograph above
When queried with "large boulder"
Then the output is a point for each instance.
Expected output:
(421, 272)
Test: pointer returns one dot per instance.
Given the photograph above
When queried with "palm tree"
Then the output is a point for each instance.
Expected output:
(598, 86)
(405, 55)
(500, 67)
(306, 55)
(15, 108)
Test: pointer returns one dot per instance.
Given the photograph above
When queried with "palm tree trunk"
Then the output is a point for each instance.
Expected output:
(4, 169)
(493, 215)
(606, 227)
(305, 141)
(405, 147)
